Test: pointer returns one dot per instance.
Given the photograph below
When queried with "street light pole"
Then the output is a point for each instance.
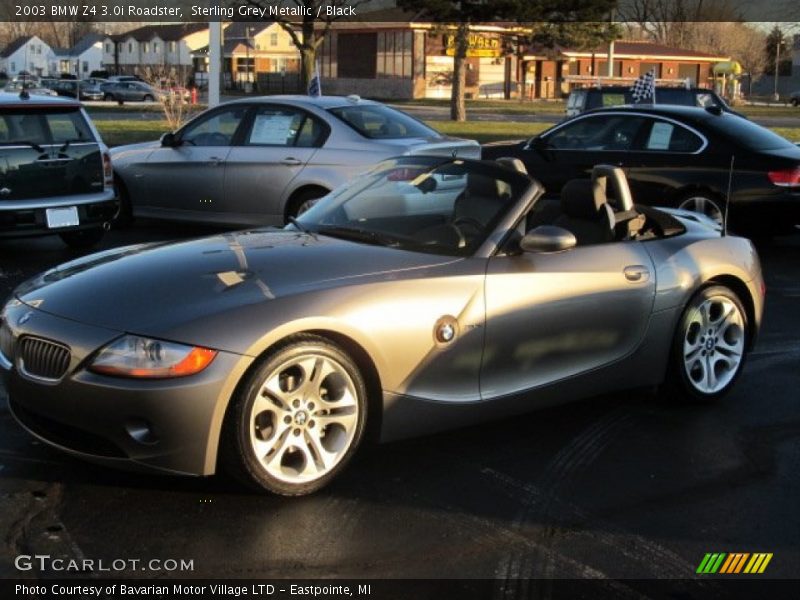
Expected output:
(775, 95)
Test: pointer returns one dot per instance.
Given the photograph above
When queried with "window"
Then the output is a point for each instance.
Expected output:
(377, 121)
(671, 138)
(155, 47)
(273, 39)
(108, 48)
(145, 47)
(216, 129)
(356, 55)
(601, 132)
(46, 128)
(173, 46)
(130, 48)
(13, 67)
(394, 53)
(284, 126)
(85, 66)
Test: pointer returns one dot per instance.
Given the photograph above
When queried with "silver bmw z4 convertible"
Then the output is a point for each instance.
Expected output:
(429, 293)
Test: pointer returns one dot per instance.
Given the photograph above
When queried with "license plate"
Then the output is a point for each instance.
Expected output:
(62, 217)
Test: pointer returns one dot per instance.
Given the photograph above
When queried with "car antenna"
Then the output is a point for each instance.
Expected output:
(728, 198)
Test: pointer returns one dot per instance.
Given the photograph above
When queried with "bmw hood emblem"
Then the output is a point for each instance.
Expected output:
(25, 318)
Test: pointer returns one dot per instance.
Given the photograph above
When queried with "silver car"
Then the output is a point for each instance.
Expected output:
(263, 160)
(428, 294)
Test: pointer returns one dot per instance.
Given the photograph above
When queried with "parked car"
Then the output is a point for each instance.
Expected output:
(91, 91)
(120, 78)
(55, 172)
(415, 299)
(794, 98)
(675, 156)
(584, 99)
(262, 160)
(129, 91)
(32, 87)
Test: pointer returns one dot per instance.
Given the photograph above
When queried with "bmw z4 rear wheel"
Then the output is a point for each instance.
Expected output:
(298, 419)
(711, 343)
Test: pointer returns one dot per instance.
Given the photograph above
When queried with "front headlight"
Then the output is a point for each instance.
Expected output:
(134, 356)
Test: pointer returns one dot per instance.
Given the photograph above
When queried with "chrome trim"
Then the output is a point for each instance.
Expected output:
(5, 364)
(630, 114)
(106, 195)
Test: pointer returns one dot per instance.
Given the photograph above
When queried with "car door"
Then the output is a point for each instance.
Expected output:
(569, 151)
(189, 176)
(279, 141)
(550, 317)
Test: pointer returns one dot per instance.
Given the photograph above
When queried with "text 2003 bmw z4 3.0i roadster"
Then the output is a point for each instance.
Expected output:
(427, 294)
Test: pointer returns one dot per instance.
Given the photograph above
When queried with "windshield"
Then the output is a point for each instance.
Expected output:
(431, 205)
(376, 121)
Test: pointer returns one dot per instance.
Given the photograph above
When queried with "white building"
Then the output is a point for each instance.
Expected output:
(166, 49)
(83, 58)
(28, 54)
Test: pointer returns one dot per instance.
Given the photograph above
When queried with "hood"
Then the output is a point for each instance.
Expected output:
(121, 151)
(147, 288)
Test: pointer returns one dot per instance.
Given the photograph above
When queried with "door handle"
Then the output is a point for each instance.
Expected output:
(636, 273)
(215, 161)
(291, 161)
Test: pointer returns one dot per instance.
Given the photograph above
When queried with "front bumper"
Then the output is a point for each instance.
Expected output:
(169, 425)
(22, 218)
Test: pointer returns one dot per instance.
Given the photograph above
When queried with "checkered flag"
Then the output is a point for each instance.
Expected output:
(644, 87)
(314, 86)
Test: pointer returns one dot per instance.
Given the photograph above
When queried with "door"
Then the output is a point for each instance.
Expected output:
(189, 177)
(571, 150)
(278, 143)
(554, 316)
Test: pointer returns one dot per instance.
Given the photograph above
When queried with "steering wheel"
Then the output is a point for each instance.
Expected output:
(474, 223)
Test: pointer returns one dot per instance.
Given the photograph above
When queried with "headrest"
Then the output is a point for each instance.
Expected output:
(583, 199)
(512, 163)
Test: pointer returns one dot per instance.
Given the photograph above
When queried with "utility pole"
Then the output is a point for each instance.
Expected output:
(214, 61)
(776, 96)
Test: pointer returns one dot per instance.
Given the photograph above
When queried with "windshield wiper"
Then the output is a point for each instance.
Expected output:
(300, 227)
(33, 145)
(359, 235)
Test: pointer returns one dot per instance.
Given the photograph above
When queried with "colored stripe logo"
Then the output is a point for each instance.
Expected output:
(734, 563)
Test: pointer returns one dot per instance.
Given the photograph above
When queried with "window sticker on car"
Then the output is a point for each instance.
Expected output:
(660, 136)
(271, 129)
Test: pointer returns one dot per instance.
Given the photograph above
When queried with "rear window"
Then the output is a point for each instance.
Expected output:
(747, 133)
(44, 126)
(376, 121)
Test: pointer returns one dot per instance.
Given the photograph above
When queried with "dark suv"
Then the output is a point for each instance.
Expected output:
(55, 171)
(582, 99)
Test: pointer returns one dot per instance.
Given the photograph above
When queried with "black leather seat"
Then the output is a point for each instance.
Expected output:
(585, 212)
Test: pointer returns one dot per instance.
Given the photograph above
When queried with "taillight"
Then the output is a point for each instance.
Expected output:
(108, 172)
(786, 177)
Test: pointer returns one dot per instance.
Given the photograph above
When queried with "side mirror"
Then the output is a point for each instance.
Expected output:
(168, 140)
(546, 239)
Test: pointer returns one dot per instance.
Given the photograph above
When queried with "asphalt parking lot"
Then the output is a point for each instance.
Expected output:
(623, 486)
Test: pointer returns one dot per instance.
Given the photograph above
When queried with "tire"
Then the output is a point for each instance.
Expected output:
(292, 445)
(305, 200)
(108, 98)
(125, 216)
(83, 239)
(795, 102)
(711, 338)
(704, 203)
(148, 98)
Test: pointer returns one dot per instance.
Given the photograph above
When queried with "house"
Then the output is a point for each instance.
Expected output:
(155, 50)
(83, 58)
(29, 54)
(252, 52)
